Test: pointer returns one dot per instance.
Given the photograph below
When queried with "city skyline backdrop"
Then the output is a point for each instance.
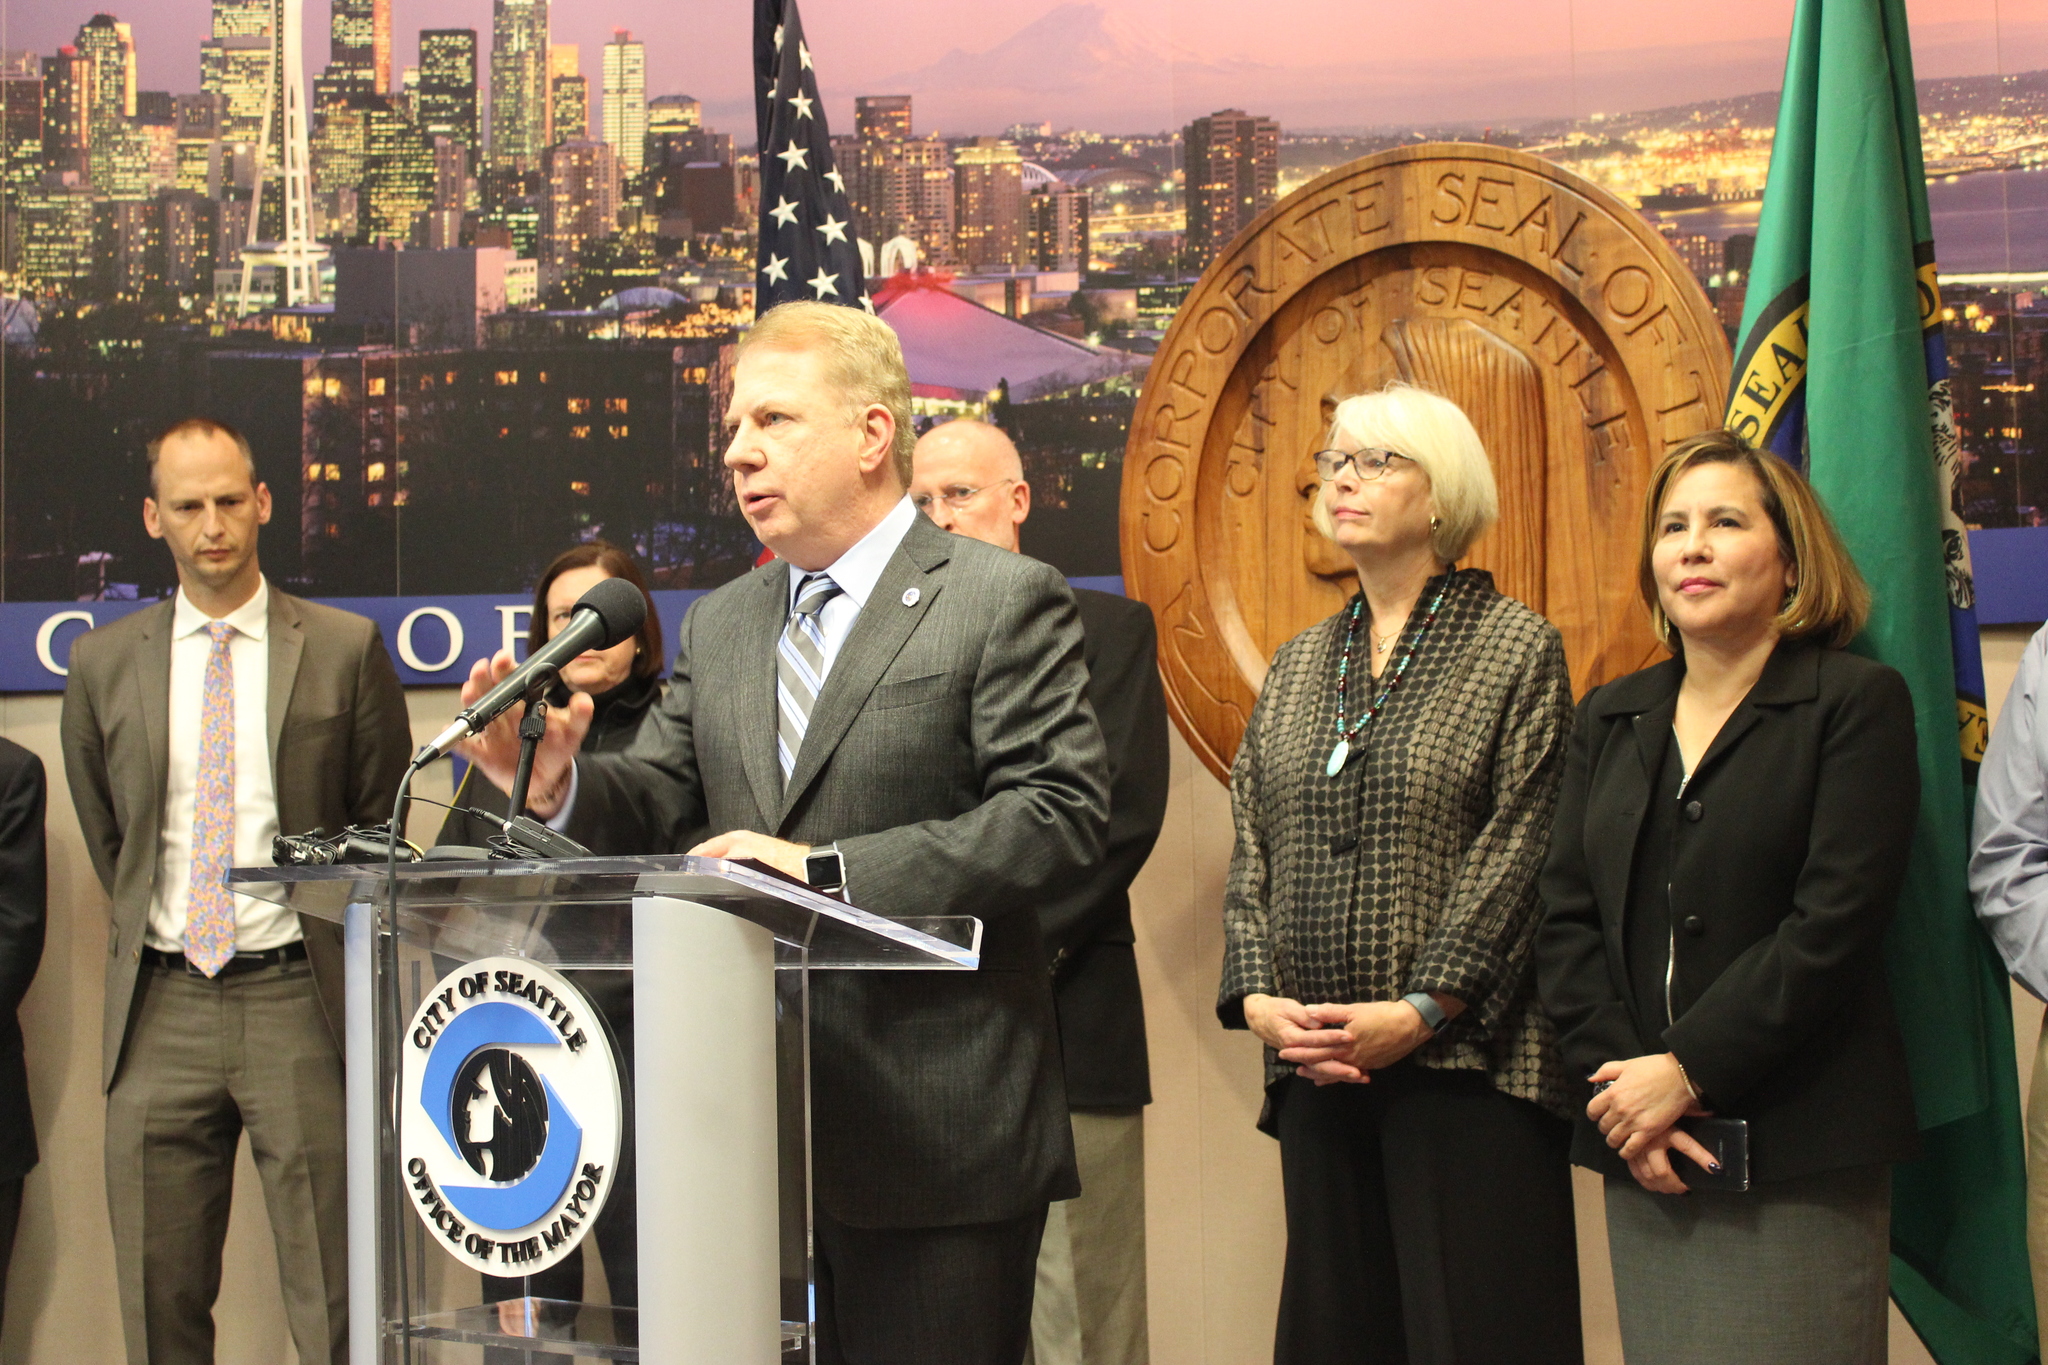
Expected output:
(534, 312)
(1141, 66)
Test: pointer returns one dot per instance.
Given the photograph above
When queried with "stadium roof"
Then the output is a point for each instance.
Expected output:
(955, 348)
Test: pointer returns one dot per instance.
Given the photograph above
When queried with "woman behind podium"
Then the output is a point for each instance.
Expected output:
(624, 682)
(1392, 800)
(1729, 846)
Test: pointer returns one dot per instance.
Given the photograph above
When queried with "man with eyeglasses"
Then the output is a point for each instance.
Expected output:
(1090, 1306)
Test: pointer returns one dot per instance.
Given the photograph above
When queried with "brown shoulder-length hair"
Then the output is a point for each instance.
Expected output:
(1829, 601)
(618, 563)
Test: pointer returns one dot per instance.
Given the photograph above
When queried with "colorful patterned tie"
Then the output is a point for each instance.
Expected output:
(800, 667)
(210, 910)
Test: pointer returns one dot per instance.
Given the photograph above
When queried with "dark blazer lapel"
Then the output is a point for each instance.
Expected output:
(152, 675)
(763, 615)
(883, 626)
(287, 642)
(1791, 675)
(1637, 711)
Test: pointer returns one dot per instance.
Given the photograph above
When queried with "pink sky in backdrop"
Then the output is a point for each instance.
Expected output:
(1144, 65)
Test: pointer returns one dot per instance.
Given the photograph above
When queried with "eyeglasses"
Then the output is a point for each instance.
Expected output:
(1370, 463)
(955, 498)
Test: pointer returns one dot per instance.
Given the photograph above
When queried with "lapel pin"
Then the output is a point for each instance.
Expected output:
(910, 596)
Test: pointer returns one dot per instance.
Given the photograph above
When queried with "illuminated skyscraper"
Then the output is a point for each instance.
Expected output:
(882, 116)
(107, 43)
(360, 43)
(447, 96)
(21, 154)
(57, 237)
(237, 68)
(988, 204)
(188, 231)
(398, 175)
(67, 111)
(564, 59)
(581, 202)
(199, 121)
(241, 18)
(341, 148)
(1059, 228)
(568, 109)
(21, 130)
(519, 83)
(673, 114)
(1233, 175)
(625, 100)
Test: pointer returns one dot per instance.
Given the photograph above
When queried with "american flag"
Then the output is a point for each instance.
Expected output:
(808, 250)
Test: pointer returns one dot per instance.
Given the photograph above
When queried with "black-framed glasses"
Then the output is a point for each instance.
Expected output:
(955, 498)
(1370, 463)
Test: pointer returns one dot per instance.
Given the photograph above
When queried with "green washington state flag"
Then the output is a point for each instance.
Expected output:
(1841, 370)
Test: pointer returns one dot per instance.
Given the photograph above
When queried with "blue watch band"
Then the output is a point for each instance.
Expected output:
(1431, 1012)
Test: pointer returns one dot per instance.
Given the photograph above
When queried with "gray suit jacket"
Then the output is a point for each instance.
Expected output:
(954, 757)
(339, 740)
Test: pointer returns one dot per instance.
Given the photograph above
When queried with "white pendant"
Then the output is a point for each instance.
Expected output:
(1338, 757)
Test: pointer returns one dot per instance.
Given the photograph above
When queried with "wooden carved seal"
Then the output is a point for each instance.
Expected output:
(1566, 328)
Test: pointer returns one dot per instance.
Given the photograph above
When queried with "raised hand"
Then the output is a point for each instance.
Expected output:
(495, 751)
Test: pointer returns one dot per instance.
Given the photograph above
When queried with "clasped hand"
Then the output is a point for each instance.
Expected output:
(1637, 1114)
(1329, 1044)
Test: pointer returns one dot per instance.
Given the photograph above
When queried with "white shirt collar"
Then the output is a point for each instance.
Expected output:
(252, 618)
(857, 571)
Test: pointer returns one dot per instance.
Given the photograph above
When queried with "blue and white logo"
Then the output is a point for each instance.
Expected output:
(512, 1115)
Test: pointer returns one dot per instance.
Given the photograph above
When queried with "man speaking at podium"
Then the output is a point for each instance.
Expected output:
(898, 715)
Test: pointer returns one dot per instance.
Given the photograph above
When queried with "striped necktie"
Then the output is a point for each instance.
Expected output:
(800, 667)
(209, 909)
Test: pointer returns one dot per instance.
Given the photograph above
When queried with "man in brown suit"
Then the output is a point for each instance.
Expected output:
(194, 732)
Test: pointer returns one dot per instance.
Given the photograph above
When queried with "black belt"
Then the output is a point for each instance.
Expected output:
(234, 966)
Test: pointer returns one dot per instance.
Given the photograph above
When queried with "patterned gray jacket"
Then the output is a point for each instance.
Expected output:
(1415, 868)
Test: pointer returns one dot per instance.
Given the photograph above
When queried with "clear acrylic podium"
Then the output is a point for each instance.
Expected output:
(474, 1008)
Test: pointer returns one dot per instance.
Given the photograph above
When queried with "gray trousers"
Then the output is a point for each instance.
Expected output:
(205, 1062)
(1090, 1302)
(1794, 1272)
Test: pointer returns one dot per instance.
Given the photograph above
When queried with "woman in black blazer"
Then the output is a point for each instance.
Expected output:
(1727, 854)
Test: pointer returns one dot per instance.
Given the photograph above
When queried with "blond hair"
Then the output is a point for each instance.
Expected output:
(864, 361)
(1436, 434)
(1828, 601)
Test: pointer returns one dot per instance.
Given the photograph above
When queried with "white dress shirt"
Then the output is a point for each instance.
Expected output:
(2009, 857)
(258, 924)
(856, 573)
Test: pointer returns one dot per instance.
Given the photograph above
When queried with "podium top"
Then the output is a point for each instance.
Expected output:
(577, 912)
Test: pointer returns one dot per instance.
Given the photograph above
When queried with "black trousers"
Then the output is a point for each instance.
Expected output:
(1429, 1222)
(925, 1296)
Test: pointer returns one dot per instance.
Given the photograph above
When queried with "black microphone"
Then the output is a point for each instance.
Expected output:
(610, 613)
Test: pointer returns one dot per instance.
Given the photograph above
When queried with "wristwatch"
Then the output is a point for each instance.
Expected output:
(1431, 1012)
(825, 870)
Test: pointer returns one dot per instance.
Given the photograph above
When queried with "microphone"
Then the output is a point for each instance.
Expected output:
(608, 614)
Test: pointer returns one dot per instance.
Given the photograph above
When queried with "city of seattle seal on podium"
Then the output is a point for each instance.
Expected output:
(512, 1115)
(1560, 321)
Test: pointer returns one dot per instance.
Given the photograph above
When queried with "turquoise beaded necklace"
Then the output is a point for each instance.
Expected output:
(1341, 754)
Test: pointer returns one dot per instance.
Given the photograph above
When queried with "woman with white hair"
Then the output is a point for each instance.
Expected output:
(1392, 799)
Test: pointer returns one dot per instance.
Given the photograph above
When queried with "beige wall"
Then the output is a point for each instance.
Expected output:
(1213, 1181)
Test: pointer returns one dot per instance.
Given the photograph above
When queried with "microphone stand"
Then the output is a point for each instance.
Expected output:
(533, 726)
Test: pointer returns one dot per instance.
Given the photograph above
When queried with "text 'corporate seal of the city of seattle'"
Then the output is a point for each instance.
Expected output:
(1557, 318)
